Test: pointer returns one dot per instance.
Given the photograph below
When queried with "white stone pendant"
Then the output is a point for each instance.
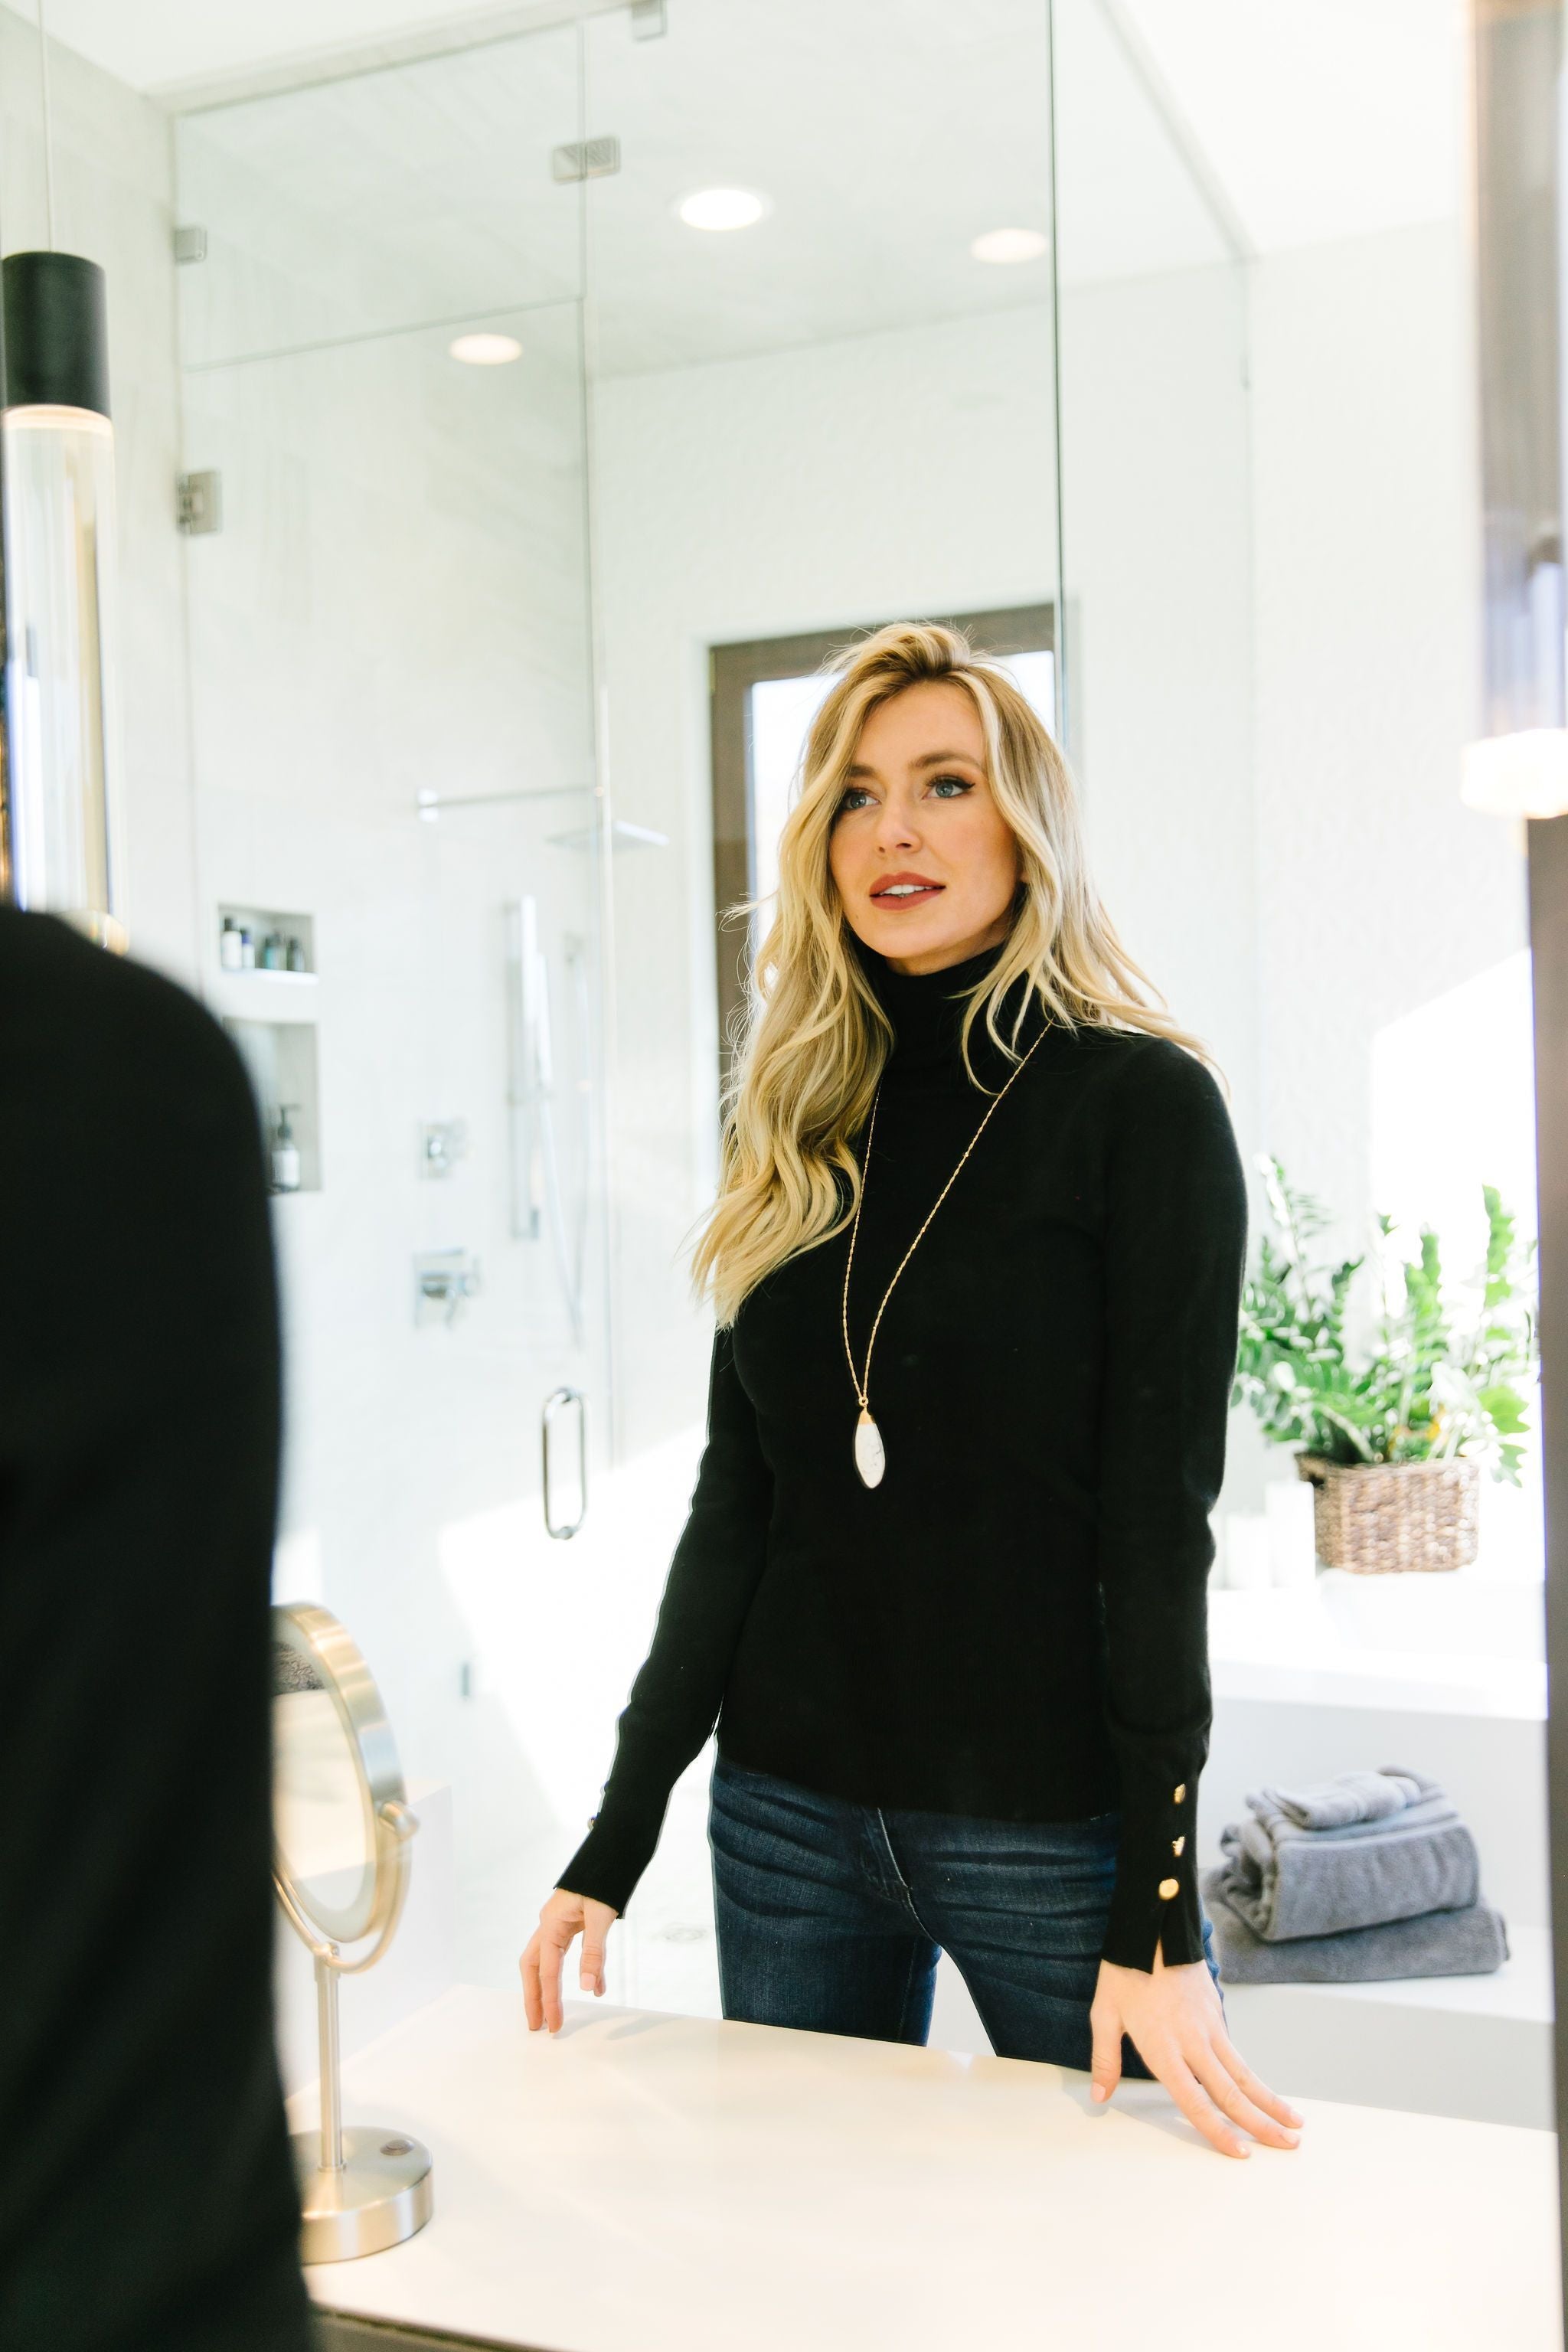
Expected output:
(870, 1460)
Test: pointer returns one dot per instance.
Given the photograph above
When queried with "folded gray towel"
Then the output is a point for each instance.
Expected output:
(1472, 1941)
(1387, 1845)
(1351, 1797)
(1286, 1882)
(1268, 1821)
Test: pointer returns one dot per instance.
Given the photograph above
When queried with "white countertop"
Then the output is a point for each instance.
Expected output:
(1457, 1643)
(1452, 1645)
(643, 2182)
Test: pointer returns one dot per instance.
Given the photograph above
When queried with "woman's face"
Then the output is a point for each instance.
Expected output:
(917, 809)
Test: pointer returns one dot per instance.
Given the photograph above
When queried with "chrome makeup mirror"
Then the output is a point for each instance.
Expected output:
(342, 1828)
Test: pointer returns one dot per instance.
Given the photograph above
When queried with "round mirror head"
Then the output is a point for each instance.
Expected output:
(334, 1768)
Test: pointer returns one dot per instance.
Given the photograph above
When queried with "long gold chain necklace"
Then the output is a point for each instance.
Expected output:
(871, 1455)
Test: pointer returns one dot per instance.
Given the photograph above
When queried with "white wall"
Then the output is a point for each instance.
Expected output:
(113, 203)
(1157, 497)
(1384, 892)
(1393, 982)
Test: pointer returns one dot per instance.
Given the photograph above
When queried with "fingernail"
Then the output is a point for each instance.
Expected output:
(1097, 2093)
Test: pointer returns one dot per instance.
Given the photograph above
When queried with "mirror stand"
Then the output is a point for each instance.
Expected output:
(361, 2186)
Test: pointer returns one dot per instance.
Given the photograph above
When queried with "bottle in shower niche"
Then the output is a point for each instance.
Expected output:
(229, 944)
(285, 1153)
(246, 951)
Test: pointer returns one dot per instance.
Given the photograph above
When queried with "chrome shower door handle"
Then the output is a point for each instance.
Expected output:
(553, 1403)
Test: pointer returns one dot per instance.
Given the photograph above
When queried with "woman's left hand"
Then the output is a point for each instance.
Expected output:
(1177, 2028)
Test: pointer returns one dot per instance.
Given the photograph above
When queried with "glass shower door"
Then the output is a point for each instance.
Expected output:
(396, 799)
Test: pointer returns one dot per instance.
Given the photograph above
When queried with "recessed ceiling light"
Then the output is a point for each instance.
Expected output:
(1010, 245)
(486, 350)
(721, 208)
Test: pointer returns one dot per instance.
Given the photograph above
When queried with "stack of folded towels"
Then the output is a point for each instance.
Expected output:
(1371, 1875)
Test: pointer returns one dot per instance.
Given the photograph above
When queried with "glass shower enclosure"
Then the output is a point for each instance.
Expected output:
(490, 450)
(400, 846)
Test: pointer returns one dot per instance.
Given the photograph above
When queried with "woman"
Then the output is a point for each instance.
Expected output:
(944, 1580)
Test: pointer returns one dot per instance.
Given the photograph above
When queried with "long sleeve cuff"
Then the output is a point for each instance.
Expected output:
(618, 1847)
(1156, 1902)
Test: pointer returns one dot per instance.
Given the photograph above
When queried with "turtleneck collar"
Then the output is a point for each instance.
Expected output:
(927, 1008)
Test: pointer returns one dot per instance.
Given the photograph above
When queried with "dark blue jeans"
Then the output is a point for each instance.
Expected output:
(832, 1916)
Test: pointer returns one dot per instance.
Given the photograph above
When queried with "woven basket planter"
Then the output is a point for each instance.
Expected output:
(1378, 1518)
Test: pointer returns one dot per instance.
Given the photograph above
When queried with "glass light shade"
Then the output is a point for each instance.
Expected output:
(1009, 245)
(721, 208)
(65, 831)
(485, 351)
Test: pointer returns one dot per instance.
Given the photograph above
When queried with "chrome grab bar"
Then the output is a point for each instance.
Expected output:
(557, 1397)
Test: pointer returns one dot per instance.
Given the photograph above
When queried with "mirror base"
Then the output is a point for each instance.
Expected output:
(381, 2195)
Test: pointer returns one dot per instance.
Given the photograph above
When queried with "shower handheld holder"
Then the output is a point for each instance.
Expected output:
(535, 1139)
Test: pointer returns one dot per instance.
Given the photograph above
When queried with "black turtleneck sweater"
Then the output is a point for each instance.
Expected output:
(1014, 1623)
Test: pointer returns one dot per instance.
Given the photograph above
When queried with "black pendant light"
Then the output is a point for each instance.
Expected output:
(65, 845)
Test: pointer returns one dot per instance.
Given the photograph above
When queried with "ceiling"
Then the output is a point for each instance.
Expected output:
(1315, 119)
(409, 186)
(154, 45)
(393, 200)
(1321, 117)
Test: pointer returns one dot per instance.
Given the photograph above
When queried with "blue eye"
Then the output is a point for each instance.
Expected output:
(965, 784)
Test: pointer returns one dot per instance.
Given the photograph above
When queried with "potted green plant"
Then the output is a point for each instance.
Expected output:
(1393, 1449)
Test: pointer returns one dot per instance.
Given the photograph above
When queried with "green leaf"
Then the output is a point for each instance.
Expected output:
(1435, 1383)
(1505, 1408)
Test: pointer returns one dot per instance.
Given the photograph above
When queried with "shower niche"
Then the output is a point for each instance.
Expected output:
(281, 1059)
(262, 984)
(265, 945)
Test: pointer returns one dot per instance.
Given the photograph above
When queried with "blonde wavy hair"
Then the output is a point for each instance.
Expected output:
(812, 1037)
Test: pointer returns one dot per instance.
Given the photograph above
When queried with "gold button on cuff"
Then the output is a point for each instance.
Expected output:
(1169, 1886)
(1178, 1845)
(1179, 1794)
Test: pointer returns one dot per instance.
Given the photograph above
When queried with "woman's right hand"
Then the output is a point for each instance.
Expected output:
(560, 1920)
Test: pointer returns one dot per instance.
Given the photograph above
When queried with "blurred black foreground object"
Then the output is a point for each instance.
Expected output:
(148, 2198)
